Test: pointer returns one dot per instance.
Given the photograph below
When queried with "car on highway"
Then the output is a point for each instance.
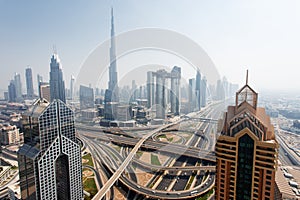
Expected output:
(194, 192)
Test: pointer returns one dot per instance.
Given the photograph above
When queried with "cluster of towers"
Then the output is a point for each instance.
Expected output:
(160, 95)
(14, 93)
(197, 93)
(54, 89)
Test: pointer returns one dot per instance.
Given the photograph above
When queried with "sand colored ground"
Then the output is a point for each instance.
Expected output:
(162, 158)
(146, 157)
(119, 194)
(143, 177)
(87, 173)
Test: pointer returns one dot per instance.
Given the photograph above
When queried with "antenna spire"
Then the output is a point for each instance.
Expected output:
(54, 49)
(247, 77)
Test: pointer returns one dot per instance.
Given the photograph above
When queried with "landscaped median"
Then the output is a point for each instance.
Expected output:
(88, 178)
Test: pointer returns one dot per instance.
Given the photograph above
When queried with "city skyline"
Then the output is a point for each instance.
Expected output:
(140, 100)
(240, 47)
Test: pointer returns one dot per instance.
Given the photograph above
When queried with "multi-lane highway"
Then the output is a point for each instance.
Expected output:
(183, 173)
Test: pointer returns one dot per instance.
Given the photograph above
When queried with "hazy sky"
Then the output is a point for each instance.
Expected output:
(263, 36)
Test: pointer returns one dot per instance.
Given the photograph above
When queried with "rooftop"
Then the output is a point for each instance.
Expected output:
(283, 184)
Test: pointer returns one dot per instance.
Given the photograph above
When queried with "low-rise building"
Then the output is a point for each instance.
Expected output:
(5, 172)
(9, 134)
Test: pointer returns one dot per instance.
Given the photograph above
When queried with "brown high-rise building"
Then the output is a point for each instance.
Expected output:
(246, 151)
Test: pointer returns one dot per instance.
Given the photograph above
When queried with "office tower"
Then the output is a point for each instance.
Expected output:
(133, 91)
(150, 89)
(246, 151)
(12, 95)
(212, 91)
(57, 84)
(203, 92)
(232, 89)
(18, 86)
(72, 82)
(39, 78)
(226, 87)
(29, 82)
(50, 159)
(192, 95)
(140, 93)
(175, 90)
(44, 91)
(198, 90)
(6, 96)
(220, 92)
(86, 97)
(160, 94)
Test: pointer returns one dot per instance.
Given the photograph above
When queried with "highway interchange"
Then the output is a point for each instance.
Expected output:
(187, 173)
(192, 159)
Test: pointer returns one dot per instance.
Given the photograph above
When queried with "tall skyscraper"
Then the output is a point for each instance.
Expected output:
(50, 159)
(246, 151)
(175, 90)
(150, 89)
(192, 95)
(113, 74)
(198, 90)
(226, 87)
(18, 86)
(57, 84)
(203, 92)
(112, 93)
(220, 91)
(29, 82)
(72, 82)
(12, 95)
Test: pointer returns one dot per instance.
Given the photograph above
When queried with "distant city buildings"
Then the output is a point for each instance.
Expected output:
(15, 89)
(29, 83)
(246, 151)
(197, 96)
(50, 159)
(57, 84)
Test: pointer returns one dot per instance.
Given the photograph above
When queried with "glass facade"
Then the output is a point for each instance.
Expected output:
(245, 167)
(50, 159)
